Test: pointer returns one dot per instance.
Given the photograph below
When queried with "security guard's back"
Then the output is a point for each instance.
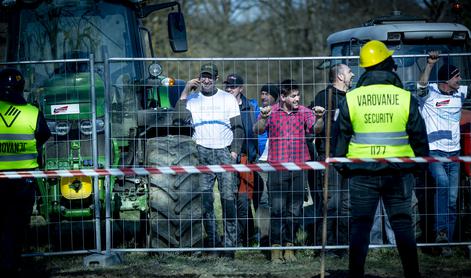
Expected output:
(23, 130)
(379, 119)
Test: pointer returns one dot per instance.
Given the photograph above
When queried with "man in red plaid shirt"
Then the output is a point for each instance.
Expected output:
(287, 122)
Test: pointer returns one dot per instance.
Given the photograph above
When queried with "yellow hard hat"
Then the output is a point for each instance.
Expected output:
(373, 53)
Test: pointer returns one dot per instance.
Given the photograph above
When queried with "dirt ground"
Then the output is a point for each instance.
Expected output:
(380, 263)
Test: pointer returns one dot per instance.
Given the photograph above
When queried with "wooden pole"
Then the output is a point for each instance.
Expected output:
(325, 188)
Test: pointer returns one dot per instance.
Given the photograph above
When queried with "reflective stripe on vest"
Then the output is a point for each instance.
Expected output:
(383, 138)
(379, 115)
(17, 141)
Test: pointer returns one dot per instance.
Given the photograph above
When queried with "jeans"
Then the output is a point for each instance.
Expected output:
(446, 176)
(286, 191)
(228, 190)
(396, 192)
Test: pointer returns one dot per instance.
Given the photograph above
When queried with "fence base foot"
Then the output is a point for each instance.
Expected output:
(102, 260)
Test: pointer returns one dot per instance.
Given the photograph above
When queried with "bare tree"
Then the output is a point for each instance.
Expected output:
(255, 28)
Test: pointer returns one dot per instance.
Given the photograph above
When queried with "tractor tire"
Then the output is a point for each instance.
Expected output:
(175, 200)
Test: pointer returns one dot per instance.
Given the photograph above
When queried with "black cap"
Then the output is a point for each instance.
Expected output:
(272, 89)
(210, 69)
(447, 72)
(234, 80)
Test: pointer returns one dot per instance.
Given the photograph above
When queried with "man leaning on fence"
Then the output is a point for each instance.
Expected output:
(440, 105)
(287, 123)
(379, 119)
(23, 131)
(218, 130)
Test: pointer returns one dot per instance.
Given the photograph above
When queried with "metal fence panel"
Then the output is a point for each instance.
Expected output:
(134, 128)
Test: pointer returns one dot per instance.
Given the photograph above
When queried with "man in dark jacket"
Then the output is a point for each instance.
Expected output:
(234, 84)
(340, 77)
(21, 125)
(379, 119)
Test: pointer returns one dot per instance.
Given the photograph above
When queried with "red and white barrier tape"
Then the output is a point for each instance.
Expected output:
(172, 170)
(400, 159)
(259, 167)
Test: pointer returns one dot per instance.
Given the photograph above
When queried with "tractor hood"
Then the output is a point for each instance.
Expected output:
(68, 97)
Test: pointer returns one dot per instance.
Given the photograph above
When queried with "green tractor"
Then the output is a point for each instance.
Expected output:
(130, 125)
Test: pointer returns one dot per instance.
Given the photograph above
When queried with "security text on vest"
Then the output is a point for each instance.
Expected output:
(12, 147)
(378, 99)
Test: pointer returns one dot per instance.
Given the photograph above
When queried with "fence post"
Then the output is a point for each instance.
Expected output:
(106, 259)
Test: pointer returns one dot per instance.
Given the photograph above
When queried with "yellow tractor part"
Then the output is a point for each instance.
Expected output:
(74, 188)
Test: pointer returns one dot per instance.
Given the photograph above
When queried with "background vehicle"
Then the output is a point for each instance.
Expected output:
(140, 102)
(409, 37)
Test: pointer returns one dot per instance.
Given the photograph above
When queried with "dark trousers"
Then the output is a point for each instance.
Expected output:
(286, 191)
(396, 193)
(338, 209)
(245, 219)
(228, 190)
(16, 207)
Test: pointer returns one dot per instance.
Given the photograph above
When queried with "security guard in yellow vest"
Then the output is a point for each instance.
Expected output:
(23, 130)
(380, 119)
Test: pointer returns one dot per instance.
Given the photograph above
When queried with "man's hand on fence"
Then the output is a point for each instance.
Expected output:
(433, 57)
(265, 112)
(318, 112)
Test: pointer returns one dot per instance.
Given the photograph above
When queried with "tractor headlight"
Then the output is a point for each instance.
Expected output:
(155, 70)
(59, 128)
(87, 129)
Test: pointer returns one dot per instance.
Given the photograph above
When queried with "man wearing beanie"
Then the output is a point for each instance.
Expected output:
(440, 106)
(269, 94)
(379, 119)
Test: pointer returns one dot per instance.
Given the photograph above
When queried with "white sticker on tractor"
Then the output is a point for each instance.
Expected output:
(63, 109)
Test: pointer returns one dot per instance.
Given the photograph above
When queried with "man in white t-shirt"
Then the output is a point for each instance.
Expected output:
(440, 106)
(218, 134)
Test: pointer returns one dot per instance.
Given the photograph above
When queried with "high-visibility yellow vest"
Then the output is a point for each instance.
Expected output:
(379, 115)
(17, 141)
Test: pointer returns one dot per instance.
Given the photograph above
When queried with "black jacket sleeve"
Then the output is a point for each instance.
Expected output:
(416, 130)
(238, 134)
(42, 132)
(344, 135)
(345, 131)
